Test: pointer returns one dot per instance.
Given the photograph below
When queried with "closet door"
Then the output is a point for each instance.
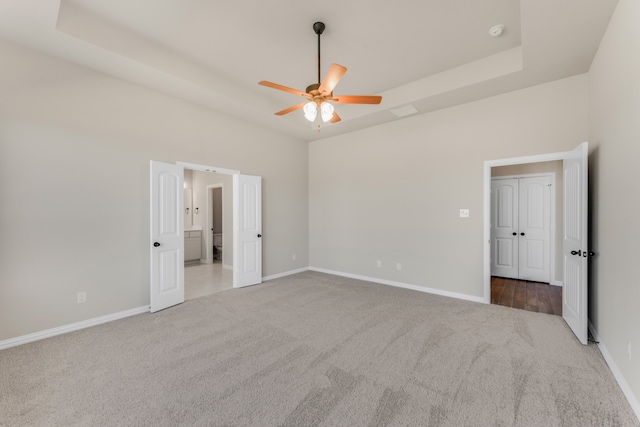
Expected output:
(534, 228)
(520, 228)
(504, 228)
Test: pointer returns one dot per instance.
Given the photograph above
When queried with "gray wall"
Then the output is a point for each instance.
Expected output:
(75, 147)
(393, 192)
(614, 133)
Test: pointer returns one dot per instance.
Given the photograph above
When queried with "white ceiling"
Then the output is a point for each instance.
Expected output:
(429, 53)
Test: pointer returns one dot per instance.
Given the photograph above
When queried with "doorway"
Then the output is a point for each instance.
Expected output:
(575, 239)
(216, 235)
(209, 273)
(523, 236)
(168, 234)
(542, 165)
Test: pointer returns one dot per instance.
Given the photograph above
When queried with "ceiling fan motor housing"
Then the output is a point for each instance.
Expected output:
(311, 87)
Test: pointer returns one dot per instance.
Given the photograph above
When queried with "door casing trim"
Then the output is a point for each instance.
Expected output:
(486, 206)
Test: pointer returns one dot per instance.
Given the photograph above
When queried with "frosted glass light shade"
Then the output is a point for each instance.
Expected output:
(326, 111)
(310, 110)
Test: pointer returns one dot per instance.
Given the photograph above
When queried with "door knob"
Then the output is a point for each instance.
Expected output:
(522, 234)
(259, 235)
(579, 253)
(515, 234)
(592, 253)
(156, 244)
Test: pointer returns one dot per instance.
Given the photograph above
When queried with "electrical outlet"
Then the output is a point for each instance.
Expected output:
(294, 257)
(379, 263)
(464, 213)
(82, 297)
(398, 266)
(629, 350)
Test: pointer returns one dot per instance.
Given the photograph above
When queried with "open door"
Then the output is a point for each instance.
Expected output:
(247, 204)
(167, 235)
(575, 241)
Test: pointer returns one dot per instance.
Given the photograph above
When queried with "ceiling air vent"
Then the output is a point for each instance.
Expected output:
(407, 110)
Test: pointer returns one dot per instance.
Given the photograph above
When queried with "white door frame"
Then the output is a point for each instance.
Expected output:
(552, 219)
(208, 239)
(487, 208)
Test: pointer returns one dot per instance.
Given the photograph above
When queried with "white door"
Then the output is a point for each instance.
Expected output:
(575, 241)
(534, 225)
(504, 228)
(167, 235)
(520, 228)
(248, 230)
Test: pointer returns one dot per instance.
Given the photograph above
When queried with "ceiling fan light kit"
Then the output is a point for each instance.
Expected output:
(310, 111)
(320, 95)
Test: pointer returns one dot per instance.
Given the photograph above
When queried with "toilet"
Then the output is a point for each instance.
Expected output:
(217, 243)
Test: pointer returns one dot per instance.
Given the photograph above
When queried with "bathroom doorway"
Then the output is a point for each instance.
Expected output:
(215, 225)
(212, 218)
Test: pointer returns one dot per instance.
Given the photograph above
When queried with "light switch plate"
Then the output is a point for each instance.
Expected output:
(464, 213)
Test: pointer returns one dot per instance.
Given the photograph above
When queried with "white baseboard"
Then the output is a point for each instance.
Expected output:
(556, 283)
(626, 390)
(402, 285)
(12, 342)
(286, 273)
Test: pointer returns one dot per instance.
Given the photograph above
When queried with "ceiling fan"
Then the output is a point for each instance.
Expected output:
(319, 96)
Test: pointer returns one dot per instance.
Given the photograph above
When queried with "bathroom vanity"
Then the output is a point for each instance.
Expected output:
(192, 244)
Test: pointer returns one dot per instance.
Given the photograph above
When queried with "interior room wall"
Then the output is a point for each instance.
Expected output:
(537, 168)
(81, 141)
(393, 192)
(188, 179)
(614, 133)
(200, 182)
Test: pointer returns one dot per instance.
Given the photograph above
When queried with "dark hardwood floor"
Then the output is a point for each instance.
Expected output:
(530, 296)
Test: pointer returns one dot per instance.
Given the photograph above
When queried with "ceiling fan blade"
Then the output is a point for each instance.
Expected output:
(290, 109)
(283, 88)
(336, 118)
(332, 78)
(356, 99)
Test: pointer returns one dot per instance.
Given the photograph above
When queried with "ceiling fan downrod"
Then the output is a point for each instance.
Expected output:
(318, 28)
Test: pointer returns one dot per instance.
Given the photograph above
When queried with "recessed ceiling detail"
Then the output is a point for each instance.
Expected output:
(212, 53)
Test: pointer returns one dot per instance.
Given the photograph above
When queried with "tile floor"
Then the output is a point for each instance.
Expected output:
(206, 279)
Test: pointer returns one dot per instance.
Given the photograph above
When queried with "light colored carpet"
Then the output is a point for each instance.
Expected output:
(315, 349)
